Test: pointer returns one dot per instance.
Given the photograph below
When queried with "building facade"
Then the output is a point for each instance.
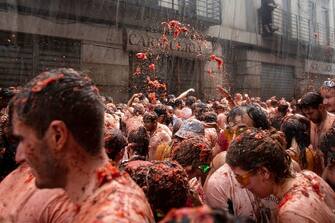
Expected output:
(270, 47)
(282, 47)
(102, 38)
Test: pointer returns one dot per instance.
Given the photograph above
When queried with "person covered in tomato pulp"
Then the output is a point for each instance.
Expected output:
(261, 165)
(58, 118)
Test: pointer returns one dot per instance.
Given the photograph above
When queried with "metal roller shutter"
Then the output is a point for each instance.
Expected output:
(58, 52)
(277, 81)
(24, 55)
(178, 73)
(16, 59)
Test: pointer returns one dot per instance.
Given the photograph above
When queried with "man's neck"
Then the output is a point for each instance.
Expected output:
(323, 118)
(153, 130)
(280, 190)
(82, 177)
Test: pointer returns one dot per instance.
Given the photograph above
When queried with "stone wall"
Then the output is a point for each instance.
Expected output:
(247, 78)
(102, 51)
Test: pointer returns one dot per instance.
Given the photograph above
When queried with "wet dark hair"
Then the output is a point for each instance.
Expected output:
(160, 110)
(192, 152)
(178, 102)
(199, 110)
(190, 100)
(202, 214)
(210, 117)
(283, 108)
(297, 127)
(66, 95)
(150, 117)
(9, 143)
(5, 95)
(328, 141)
(311, 100)
(256, 114)
(140, 138)
(114, 143)
(256, 148)
(164, 183)
(274, 102)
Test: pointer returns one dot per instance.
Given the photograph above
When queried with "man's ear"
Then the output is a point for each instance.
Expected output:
(58, 133)
(265, 172)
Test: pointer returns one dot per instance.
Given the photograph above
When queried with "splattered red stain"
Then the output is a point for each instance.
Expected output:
(29, 178)
(138, 71)
(77, 208)
(285, 199)
(164, 41)
(218, 61)
(120, 214)
(155, 84)
(106, 174)
(178, 46)
(210, 72)
(40, 85)
(152, 97)
(316, 186)
(175, 27)
(141, 56)
(152, 67)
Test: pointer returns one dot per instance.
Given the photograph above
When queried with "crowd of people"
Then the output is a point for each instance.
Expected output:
(68, 154)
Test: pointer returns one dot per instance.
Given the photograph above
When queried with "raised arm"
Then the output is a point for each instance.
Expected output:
(185, 93)
(226, 94)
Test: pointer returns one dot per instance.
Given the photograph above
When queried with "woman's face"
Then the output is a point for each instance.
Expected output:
(257, 181)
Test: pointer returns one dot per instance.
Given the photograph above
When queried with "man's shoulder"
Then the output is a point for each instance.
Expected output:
(164, 131)
(309, 191)
(222, 176)
(331, 118)
(116, 201)
(164, 127)
(25, 202)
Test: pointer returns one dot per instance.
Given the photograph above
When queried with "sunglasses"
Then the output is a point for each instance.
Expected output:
(329, 83)
(244, 180)
(230, 134)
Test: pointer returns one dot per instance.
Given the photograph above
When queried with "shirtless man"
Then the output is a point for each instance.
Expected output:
(58, 118)
(321, 120)
(158, 132)
(133, 117)
(22, 201)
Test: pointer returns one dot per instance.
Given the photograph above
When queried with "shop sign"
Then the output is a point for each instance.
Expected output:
(182, 47)
(317, 67)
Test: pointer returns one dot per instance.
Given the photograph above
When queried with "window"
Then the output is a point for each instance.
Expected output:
(324, 27)
(172, 4)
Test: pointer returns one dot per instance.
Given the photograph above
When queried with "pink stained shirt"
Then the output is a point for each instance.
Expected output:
(310, 199)
(222, 188)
